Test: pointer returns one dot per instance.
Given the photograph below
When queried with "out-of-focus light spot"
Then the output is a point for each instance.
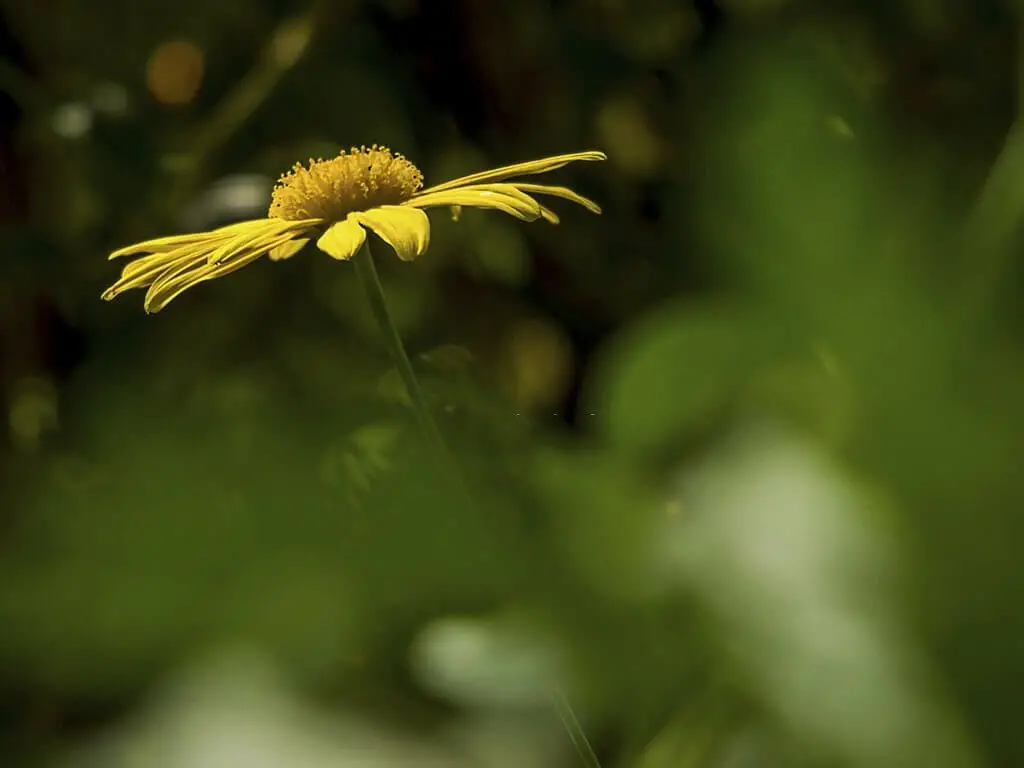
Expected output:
(840, 127)
(240, 709)
(500, 253)
(657, 34)
(624, 129)
(401, 9)
(795, 564)
(538, 360)
(496, 740)
(827, 358)
(110, 99)
(176, 162)
(754, 6)
(72, 120)
(175, 72)
(291, 41)
(449, 359)
(232, 198)
(477, 662)
(33, 412)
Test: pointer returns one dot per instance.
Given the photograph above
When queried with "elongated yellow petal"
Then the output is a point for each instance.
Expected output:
(288, 250)
(172, 283)
(517, 197)
(342, 240)
(502, 197)
(143, 271)
(164, 291)
(232, 247)
(549, 216)
(176, 241)
(563, 192)
(222, 235)
(529, 168)
(405, 229)
(158, 262)
(140, 278)
(257, 237)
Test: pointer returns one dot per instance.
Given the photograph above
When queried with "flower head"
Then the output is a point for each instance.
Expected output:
(353, 181)
(337, 200)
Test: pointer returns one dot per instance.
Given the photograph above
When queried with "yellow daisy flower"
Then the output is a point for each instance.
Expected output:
(337, 200)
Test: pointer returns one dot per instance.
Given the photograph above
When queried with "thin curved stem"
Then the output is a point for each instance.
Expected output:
(366, 272)
(575, 730)
(994, 220)
(286, 46)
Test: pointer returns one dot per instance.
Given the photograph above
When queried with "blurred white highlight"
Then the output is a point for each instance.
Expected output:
(789, 558)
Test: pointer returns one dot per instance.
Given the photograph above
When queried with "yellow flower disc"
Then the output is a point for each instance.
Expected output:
(357, 180)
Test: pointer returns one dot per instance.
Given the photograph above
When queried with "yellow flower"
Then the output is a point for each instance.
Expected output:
(337, 200)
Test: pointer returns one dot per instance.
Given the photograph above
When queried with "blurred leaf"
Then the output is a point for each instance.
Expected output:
(675, 371)
(602, 518)
(793, 566)
(499, 252)
(502, 662)
(238, 709)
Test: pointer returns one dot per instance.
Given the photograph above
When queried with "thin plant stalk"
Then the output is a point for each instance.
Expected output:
(574, 728)
(991, 226)
(366, 272)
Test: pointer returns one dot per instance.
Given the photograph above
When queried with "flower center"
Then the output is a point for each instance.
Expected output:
(356, 180)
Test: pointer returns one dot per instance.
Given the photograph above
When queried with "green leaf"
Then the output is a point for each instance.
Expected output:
(674, 372)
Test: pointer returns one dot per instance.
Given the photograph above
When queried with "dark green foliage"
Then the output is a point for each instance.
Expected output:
(755, 501)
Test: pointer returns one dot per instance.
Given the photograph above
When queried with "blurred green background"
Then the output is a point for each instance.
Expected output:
(744, 454)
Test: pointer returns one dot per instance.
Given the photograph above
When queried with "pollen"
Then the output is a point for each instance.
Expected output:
(357, 180)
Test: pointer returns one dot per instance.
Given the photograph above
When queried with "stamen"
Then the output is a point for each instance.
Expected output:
(356, 180)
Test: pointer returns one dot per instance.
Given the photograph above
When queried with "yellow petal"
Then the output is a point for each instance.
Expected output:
(520, 169)
(563, 192)
(406, 230)
(169, 287)
(164, 290)
(149, 270)
(501, 197)
(256, 237)
(172, 283)
(232, 247)
(176, 241)
(288, 250)
(342, 240)
(253, 227)
(549, 216)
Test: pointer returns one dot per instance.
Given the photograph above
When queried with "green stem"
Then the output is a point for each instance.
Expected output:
(993, 222)
(575, 730)
(366, 271)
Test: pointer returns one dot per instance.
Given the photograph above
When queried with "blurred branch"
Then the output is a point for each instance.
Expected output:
(574, 728)
(21, 88)
(998, 211)
(693, 735)
(287, 45)
(369, 279)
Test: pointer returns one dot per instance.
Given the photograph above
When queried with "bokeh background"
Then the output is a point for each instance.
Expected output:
(743, 454)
